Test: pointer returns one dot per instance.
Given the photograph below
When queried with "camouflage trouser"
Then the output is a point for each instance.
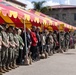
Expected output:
(67, 43)
(50, 48)
(11, 55)
(16, 51)
(4, 56)
(0, 59)
(62, 44)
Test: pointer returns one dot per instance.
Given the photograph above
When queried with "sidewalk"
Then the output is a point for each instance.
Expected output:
(58, 64)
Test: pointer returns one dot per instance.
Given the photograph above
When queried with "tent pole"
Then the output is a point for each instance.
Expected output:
(25, 40)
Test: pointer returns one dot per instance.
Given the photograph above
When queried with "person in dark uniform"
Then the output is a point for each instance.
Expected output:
(23, 38)
(55, 41)
(58, 44)
(29, 42)
(39, 41)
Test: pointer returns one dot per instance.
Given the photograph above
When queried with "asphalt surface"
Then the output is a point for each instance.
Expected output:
(58, 64)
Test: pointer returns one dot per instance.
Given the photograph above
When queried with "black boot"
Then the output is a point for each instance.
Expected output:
(1, 70)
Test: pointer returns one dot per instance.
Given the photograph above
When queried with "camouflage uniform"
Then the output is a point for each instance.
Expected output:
(74, 37)
(0, 54)
(16, 51)
(55, 42)
(20, 56)
(11, 50)
(8, 61)
(4, 48)
(71, 43)
(0, 50)
(67, 38)
(62, 41)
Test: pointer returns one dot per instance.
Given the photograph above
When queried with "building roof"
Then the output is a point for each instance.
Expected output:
(63, 6)
(17, 2)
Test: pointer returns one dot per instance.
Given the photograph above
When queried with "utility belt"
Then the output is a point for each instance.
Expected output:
(4, 48)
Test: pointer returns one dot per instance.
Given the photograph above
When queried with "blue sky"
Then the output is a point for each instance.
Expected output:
(49, 2)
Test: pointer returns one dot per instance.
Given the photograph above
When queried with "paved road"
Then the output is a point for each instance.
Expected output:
(58, 64)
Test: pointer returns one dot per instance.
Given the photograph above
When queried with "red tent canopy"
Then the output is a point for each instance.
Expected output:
(11, 11)
(55, 22)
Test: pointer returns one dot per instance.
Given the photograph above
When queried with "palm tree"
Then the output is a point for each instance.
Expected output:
(38, 6)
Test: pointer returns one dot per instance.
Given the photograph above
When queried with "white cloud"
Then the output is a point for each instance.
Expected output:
(50, 3)
(22, 0)
(73, 2)
(28, 3)
(67, 2)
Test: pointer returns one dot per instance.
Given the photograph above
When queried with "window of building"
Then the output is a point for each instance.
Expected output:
(64, 16)
(74, 16)
(57, 16)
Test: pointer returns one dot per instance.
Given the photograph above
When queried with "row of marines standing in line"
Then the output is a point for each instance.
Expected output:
(10, 41)
(13, 45)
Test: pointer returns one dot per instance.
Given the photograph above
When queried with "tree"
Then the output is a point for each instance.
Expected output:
(38, 6)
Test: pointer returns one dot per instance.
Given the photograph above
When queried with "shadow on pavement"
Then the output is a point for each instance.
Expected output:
(69, 53)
